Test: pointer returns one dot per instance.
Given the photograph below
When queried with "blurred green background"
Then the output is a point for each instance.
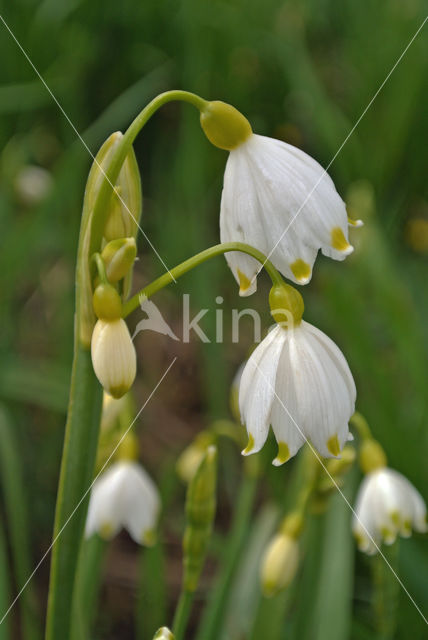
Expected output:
(302, 71)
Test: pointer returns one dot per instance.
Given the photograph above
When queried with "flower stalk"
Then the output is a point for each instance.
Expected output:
(85, 401)
(200, 511)
(178, 271)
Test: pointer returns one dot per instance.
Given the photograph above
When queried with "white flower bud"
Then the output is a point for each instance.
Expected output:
(113, 356)
(124, 496)
(163, 634)
(279, 563)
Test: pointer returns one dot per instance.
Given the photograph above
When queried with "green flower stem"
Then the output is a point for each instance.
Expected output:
(361, 425)
(386, 593)
(80, 446)
(87, 586)
(85, 401)
(182, 614)
(100, 209)
(16, 511)
(217, 250)
(213, 614)
(5, 591)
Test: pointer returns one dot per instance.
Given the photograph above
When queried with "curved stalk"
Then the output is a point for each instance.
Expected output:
(84, 412)
(361, 425)
(195, 261)
(111, 172)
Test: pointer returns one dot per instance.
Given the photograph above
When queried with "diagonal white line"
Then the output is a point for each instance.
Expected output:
(82, 140)
(318, 457)
(15, 600)
(342, 145)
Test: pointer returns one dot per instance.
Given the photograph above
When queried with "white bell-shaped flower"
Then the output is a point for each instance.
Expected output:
(387, 505)
(113, 356)
(281, 201)
(124, 496)
(298, 381)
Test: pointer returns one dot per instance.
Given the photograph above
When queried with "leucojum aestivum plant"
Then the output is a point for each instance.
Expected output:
(278, 209)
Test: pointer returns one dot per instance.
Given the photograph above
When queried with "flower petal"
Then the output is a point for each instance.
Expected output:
(257, 388)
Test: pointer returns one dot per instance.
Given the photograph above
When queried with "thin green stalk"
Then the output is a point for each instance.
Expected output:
(85, 400)
(217, 250)
(213, 613)
(112, 170)
(386, 593)
(361, 425)
(182, 614)
(152, 597)
(5, 630)
(87, 586)
(271, 615)
(16, 505)
(80, 446)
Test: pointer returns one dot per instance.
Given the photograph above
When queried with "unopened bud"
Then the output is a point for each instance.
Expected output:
(279, 564)
(200, 511)
(224, 126)
(163, 634)
(337, 468)
(107, 302)
(125, 202)
(119, 256)
(372, 455)
(113, 356)
(96, 174)
(189, 461)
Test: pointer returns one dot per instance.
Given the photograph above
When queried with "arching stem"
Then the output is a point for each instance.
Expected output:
(195, 261)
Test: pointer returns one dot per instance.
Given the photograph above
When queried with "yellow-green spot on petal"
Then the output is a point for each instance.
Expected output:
(106, 530)
(244, 283)
(387, 535)
(283, 453)
(118, 392)
(338, 240)
(360, 540)
(407, 527)
(333, 445)
(301, 270)
(355, 223)
(149, 538)
(249, 446)
(395, 518)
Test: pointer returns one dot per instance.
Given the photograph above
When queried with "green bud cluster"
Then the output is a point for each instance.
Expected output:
(124, 210)
(200, 511)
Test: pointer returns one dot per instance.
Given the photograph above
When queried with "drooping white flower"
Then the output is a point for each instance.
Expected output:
(113, 356)
(298, 381)
(280, 200)
(124, 496)
(387, 505)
